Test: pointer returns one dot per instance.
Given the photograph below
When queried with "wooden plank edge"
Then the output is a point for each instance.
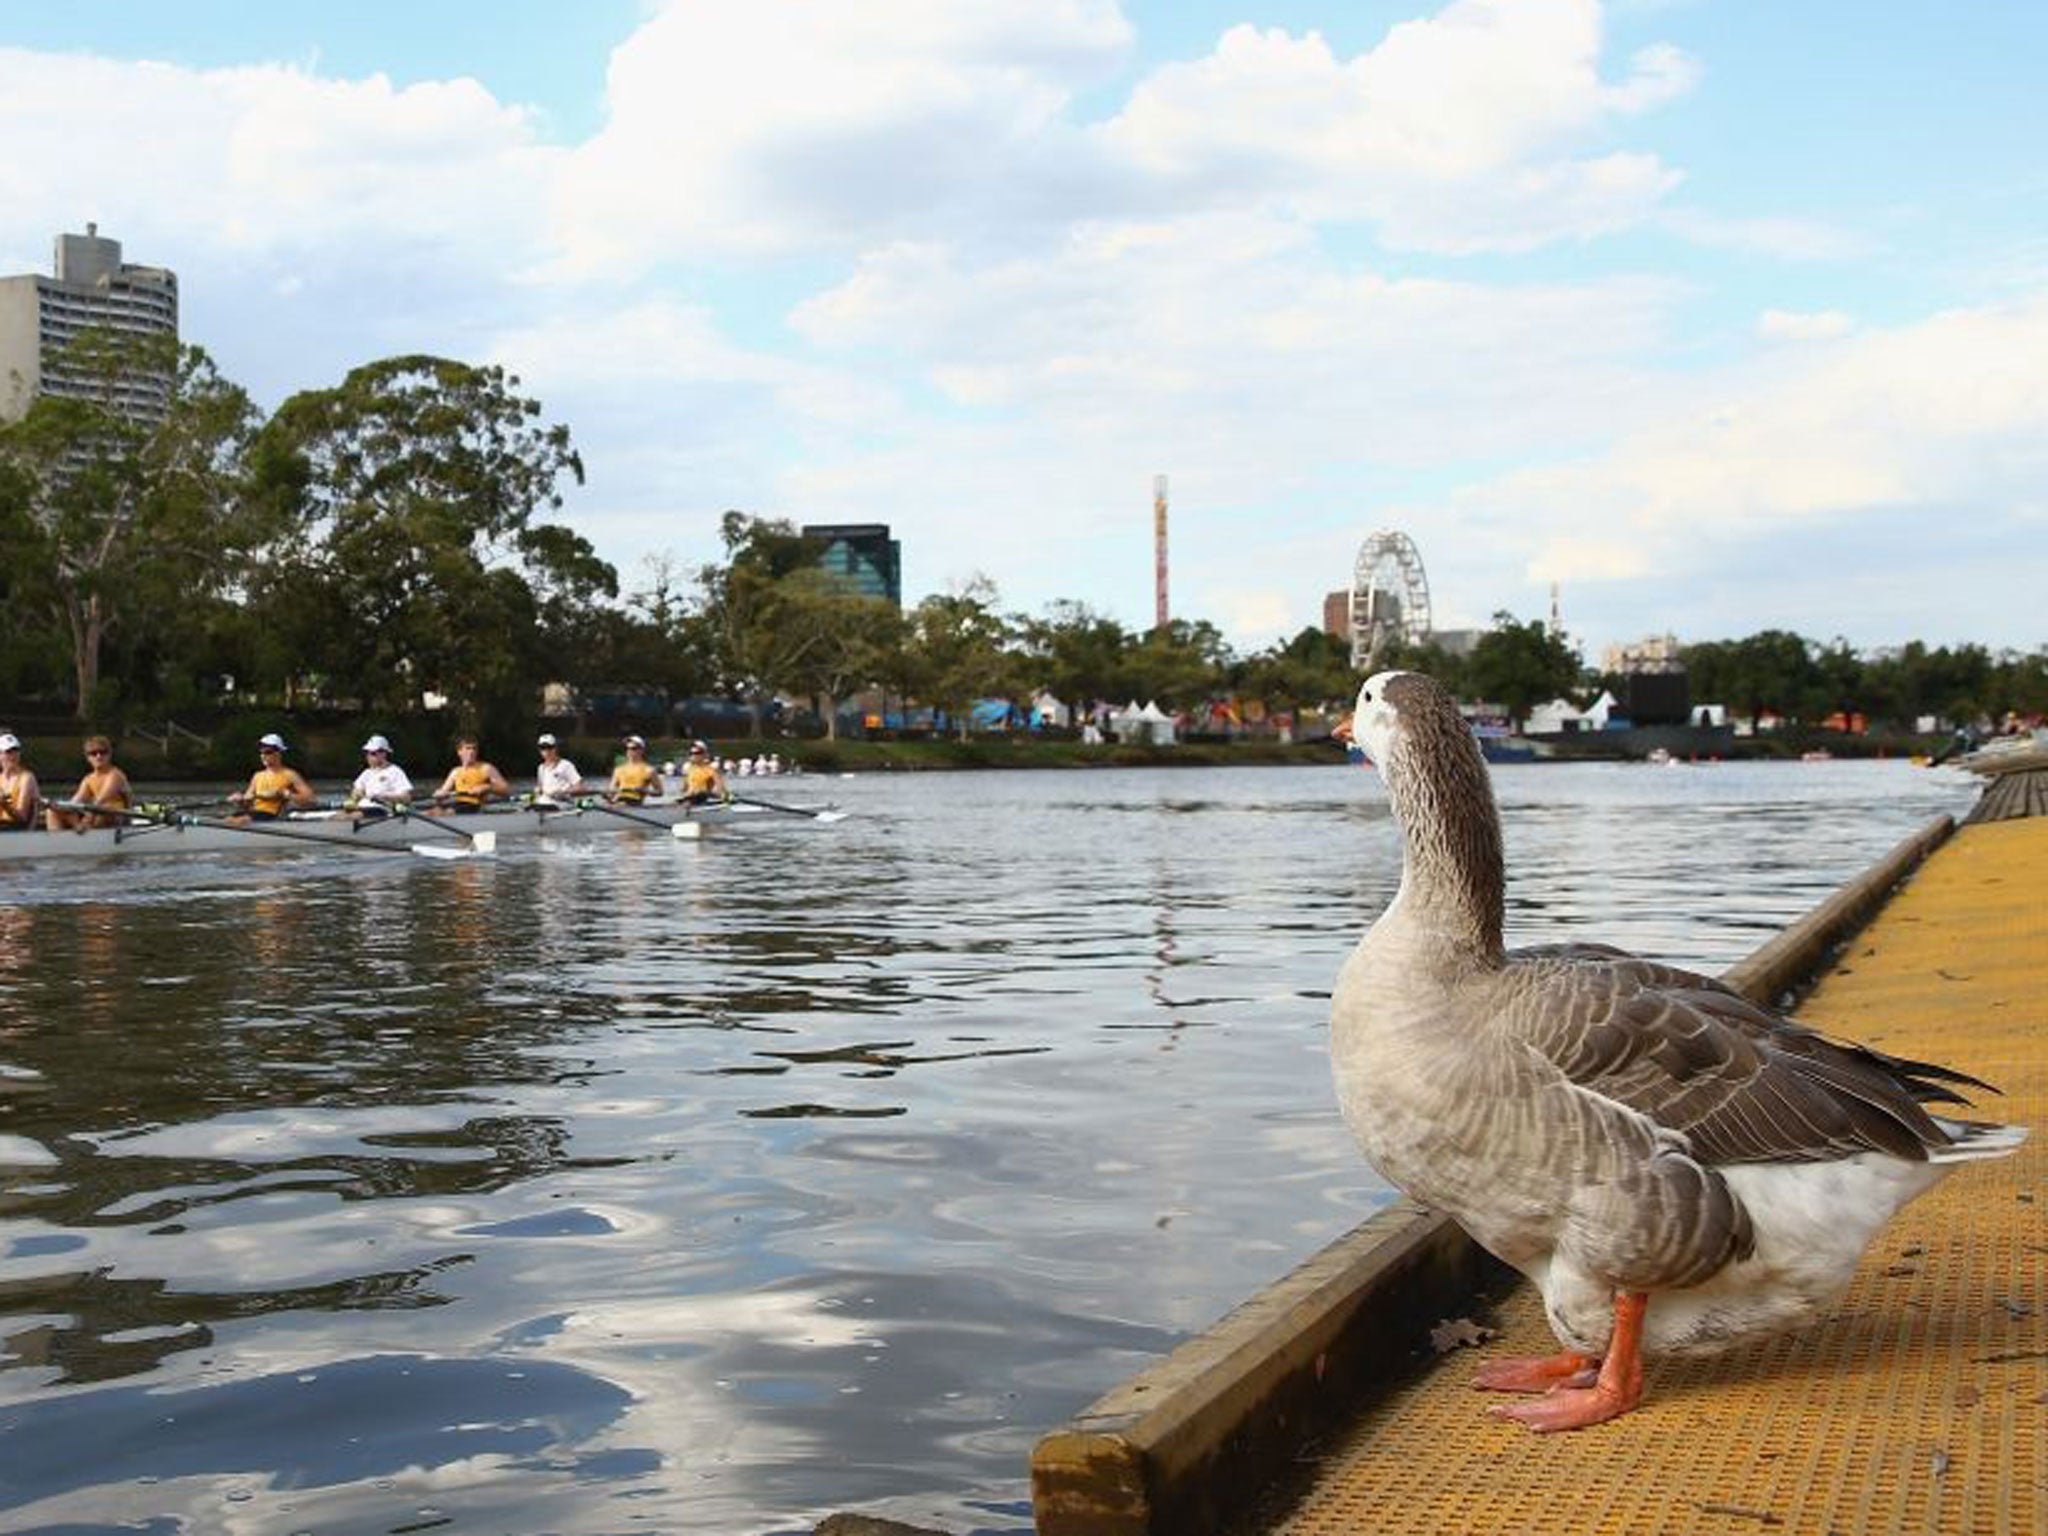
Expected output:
(1178, 1449)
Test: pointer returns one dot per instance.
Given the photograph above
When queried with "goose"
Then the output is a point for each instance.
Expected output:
(1676, 1169)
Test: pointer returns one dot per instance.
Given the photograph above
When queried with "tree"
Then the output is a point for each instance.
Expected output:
(1180, 663)
(845, 639)
(1080, 655)
(749, 606)
(958, 645)
(1772, 670)
(1519, 665)
(1427, 656)
(410, 559)
(1311, 669)
(127, 499)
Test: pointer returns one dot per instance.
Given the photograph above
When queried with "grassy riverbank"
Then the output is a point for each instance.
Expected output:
(328, 748)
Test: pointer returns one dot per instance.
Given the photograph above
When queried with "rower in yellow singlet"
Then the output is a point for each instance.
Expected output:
(274, 787)
(701, 779)
(471, 784)
(19, 793)
(636, 779)
(103, 785)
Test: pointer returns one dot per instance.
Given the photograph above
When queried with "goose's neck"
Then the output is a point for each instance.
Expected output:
(1452, 871)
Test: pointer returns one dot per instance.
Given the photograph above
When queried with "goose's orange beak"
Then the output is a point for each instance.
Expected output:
(1342, 731)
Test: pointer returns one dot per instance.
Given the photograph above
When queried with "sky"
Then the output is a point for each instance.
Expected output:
(1719, 316)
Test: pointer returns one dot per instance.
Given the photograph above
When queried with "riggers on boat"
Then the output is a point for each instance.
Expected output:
(445, 836)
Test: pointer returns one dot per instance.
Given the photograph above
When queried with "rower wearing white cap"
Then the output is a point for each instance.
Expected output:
(556, 779)
(701, 779)
(19, 791)
(636, 778)
(382, 786)
(273, 786)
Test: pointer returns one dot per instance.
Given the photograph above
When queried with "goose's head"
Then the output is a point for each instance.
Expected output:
(1398, 711)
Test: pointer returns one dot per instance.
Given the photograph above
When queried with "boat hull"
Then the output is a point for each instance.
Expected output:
(332, 831)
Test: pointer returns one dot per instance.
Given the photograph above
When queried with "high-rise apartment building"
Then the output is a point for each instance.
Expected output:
(863, 556)
(92, 289)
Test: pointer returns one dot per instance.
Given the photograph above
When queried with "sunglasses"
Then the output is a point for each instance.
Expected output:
(95, 751)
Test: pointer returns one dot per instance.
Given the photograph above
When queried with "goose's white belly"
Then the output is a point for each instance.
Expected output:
(1812, 1222)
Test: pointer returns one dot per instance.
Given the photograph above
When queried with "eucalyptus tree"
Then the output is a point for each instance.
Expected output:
(410, 559)
(1079, 655)
(958, 650)
(1180, 663)
(124, 495)
(1520, 664)
(750, 605)
(844, 640)
(1312, 668)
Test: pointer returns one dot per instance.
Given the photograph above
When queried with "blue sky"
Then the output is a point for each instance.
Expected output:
(1721, 316)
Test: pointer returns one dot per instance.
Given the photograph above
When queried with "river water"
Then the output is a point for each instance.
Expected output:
(635, 1185)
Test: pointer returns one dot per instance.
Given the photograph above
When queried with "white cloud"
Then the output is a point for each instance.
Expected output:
(1786, 239)
(1803, 325)
(1947, 417)
(782, 125)
(1455, 133)
(264, 157)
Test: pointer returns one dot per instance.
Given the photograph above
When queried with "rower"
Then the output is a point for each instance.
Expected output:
(635, 778)
(273, 786)
(19, 791)
(556, 780)
(382, 787)
(471, 783)
(103, 785)
(701, 779)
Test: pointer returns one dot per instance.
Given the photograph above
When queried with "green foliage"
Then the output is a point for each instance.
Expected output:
(959, 645)
(1521, 664)
(405, 558)
(1310, 670)
(390, 537)
(123, 505)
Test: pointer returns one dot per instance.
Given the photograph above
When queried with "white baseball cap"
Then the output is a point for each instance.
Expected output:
(546, 741)
(9, 742)
(374, 744)
(271, 739)
(636, 741)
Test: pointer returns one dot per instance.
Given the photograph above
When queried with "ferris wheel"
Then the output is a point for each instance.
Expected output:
(1389, 596)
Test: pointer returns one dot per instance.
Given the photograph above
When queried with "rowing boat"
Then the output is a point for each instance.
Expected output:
(315, 830)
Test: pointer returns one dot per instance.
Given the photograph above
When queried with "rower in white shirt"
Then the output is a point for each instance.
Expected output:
(382, 787)
(556, 778)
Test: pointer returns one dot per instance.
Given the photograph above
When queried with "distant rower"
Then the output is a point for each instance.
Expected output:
(273, 786)
(636, 778)
(471, 783)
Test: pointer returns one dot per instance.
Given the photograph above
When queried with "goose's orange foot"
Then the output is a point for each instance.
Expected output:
(1570, 1408)
(1618, 1388)
(1537, 1373)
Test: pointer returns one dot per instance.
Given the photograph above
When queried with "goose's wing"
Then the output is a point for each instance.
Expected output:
(1927, 1081)
(1739, 1084)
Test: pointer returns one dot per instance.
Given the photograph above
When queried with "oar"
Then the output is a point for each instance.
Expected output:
(482, 842)
(175, 819)
(681, 831)
(788, 810)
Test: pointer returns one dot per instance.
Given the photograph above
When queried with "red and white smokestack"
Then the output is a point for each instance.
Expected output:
(1160, 611)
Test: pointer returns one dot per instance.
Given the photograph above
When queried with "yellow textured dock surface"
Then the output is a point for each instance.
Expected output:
(1921, 1406)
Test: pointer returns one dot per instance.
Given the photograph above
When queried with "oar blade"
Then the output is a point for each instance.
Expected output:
(483, 842)
(440, 851)
(831, 816)
(687, 831)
